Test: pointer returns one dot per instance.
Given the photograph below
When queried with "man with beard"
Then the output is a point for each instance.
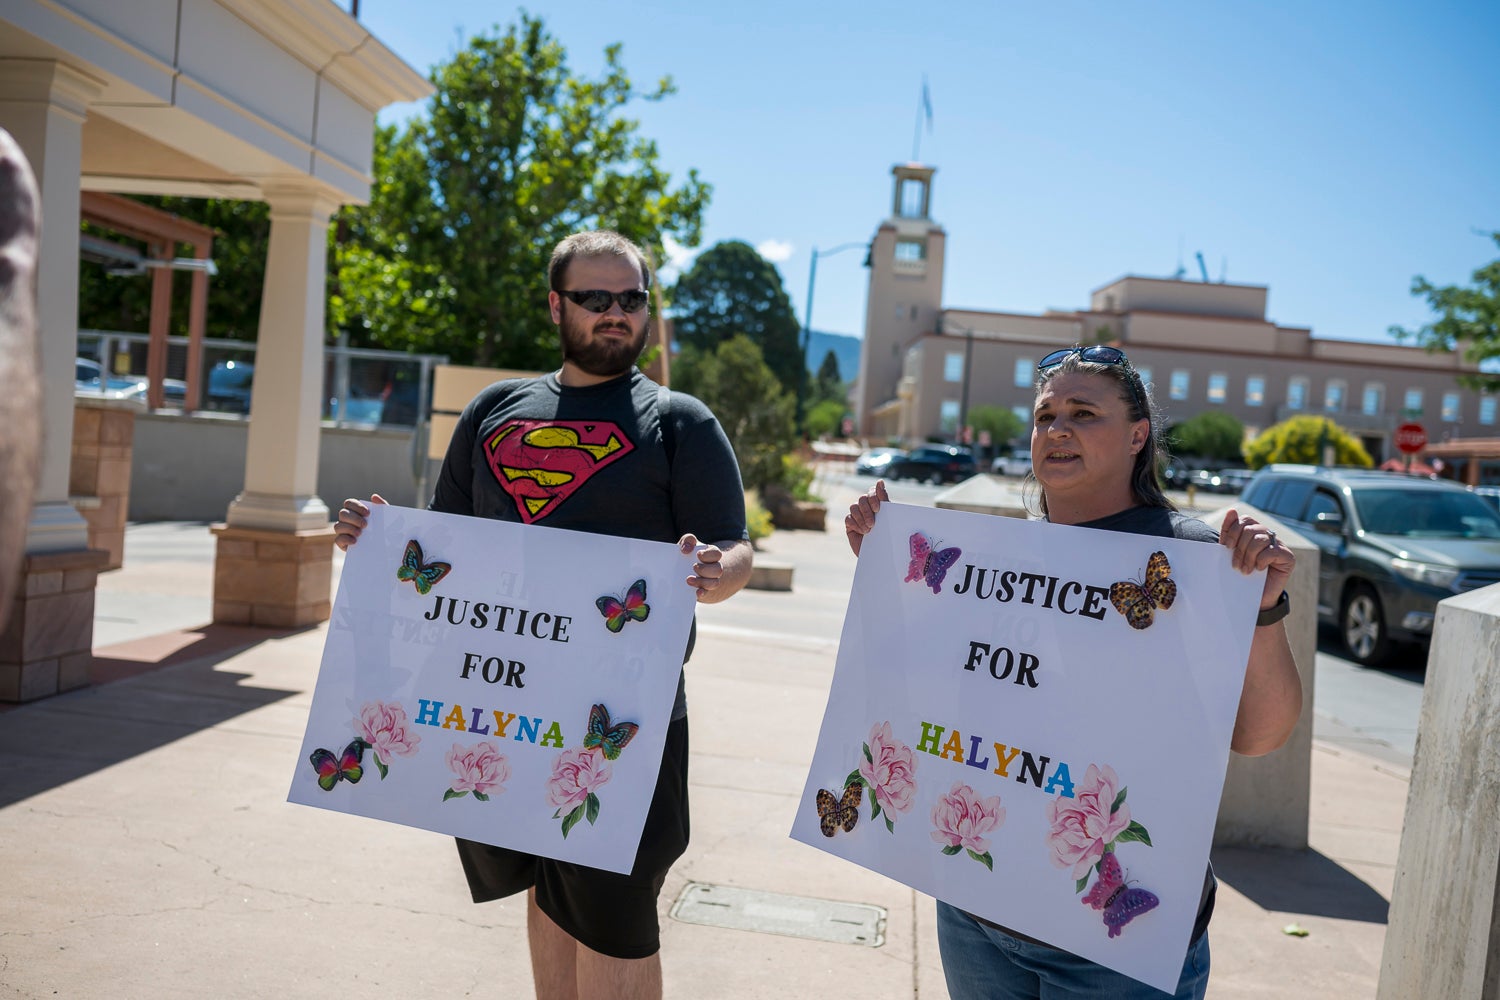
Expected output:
(597, 446)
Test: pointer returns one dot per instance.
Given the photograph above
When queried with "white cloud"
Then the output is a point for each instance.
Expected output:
(775, 251)
(679, 257)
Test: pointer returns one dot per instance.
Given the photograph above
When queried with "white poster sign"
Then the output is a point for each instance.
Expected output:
(504, 683)
(1031, 722)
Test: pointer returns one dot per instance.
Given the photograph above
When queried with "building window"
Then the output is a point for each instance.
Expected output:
(913, 194)
(1296, 393)
(1412, 404)
(948, 417)
(1333, 395)
(910, 251)
(1373, 403)
(1180, 382)
(1218, 387)
(1145, 374)
(1025, 368)
(953, 366)
(1486, 409)
(1450, 407)
(1255, 390)
(1025, 416)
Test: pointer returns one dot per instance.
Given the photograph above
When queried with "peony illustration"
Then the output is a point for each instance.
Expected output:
(481, 769)
(1083, 827)
(383, 727)
(888, 772)
(961, 819)
(576, 775)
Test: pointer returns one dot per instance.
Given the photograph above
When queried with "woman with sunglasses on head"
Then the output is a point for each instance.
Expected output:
(1095, 445)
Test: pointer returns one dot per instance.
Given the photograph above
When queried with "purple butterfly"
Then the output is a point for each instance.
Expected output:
(929, 565)
(1120, 904)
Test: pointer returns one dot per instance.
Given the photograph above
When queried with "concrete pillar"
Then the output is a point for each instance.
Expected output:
(274, 558)
(1265, 801)
(46, 641)
(43, 104)
(1443, 936)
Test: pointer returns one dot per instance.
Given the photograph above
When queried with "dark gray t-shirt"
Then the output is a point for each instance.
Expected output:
(598, 458)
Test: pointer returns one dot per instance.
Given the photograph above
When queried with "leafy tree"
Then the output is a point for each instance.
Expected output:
(826, 418)
(828, 384)
(517, 151)
(1210, 434)
(730, 290)
(1002, 423)
(1468, 320)
(754, 410)
(1301, 439)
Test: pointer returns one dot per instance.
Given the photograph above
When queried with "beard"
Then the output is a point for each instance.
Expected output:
(600, 356)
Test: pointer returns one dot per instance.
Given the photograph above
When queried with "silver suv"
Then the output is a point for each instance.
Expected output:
(1392, 546)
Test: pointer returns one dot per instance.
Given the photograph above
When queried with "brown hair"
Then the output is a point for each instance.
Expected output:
(594, 243)
(1137, 397)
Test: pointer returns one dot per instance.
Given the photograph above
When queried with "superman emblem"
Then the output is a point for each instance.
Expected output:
(541, 463)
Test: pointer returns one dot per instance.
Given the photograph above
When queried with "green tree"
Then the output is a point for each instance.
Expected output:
(826, 418)
(828, 384)
(1002, 423)
(1210, 434)
(1301, 439)
(754, 410)
(516, 152)
(1468, 320)
(730, 290)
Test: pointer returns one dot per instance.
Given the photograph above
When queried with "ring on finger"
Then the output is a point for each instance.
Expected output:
(1273, 537)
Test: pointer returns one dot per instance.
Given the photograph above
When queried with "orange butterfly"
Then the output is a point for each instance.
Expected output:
(839, 812)
(1139, 602)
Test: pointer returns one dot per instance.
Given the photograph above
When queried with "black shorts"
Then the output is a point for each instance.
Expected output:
(610, 913)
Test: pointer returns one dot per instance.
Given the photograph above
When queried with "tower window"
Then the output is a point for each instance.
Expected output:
(910, 251)
(913, 200)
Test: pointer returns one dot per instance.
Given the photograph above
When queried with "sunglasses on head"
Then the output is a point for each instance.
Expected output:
(597, 300)
(1100, 355)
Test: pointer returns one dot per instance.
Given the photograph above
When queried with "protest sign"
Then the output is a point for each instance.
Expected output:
(505, 683)
(1031, 722)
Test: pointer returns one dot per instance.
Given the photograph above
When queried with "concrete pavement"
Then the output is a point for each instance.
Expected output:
(148, 849)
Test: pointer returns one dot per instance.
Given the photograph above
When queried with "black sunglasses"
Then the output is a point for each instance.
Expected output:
(1100, 355)
(597, 300)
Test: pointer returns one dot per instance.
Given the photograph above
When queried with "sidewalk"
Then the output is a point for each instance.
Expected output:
(148, 849)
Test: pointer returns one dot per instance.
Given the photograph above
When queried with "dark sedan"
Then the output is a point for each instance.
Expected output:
(933, 464)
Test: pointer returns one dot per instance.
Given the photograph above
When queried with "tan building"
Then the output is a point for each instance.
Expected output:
(1200, 345)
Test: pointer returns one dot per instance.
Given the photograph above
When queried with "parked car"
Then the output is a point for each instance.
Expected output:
(875, 461)
(933, 464)
(229, 387)
(1490, 494)
(1234, 480)
(1017, 463)
(1203, 479)
(1391, 547)
(89, 380)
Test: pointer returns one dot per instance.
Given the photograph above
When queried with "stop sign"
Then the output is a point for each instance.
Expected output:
(1410, 438)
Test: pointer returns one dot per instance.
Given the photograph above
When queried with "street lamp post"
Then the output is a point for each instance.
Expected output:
(812, 277)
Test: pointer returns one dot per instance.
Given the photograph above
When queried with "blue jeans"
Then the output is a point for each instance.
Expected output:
(982, 963)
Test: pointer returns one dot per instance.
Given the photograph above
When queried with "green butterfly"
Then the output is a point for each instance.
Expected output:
(423, 574)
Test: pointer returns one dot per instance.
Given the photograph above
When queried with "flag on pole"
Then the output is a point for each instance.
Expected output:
(927, 102)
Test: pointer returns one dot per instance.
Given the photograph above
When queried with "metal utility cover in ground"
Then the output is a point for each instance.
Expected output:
(774, 913)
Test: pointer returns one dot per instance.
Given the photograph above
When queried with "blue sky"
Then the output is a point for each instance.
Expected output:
(1330, 151)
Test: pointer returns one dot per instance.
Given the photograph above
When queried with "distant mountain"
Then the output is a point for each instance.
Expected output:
(844, 348)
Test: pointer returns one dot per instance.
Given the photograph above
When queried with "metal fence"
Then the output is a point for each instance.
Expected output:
(361, 387)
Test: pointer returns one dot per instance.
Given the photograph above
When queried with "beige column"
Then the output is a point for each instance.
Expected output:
(43, 104)
(274, 557)
(48, 633)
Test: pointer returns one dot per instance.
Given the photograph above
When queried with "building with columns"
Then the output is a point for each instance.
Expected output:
(1201, 345)
(272, 100)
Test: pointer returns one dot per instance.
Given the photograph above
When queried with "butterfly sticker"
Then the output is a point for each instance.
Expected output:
(610, 739)
(1139, 602)
(929, 565)
(839, 812)
(633, 607)
(1120, 903)
(345, 767)
(423, 574)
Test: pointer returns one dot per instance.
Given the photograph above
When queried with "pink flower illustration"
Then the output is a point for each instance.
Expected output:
(384, 726)
(887, 771)
(576, 773)
(961, 819)
(481, 769)
(1083, 826)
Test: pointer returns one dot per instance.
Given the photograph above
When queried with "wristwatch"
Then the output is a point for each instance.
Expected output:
(1275, 612)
